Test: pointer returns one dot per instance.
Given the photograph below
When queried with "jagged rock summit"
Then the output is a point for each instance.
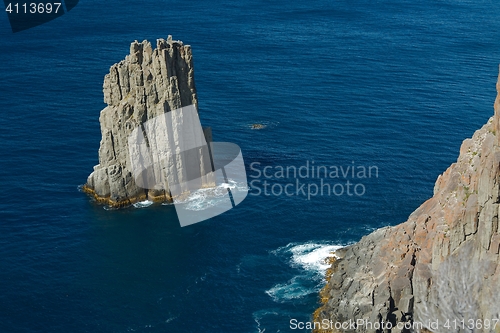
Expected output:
(440, 267)
(147, 84)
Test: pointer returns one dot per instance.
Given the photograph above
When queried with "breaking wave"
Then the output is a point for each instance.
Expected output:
(143, 204)
(310, 261)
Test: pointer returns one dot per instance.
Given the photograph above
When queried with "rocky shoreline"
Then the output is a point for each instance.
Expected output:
(442, 265)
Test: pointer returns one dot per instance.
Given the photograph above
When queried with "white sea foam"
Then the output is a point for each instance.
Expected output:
(310, 260)
(143, 204)
(312, 256)
(293, 289)
(210, 197)
(258, 315)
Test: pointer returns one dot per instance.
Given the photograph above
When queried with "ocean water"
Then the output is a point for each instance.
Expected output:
(395, 85)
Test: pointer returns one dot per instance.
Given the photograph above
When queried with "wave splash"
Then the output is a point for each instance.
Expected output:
(310, 259)
(143, 204)
(211, 197)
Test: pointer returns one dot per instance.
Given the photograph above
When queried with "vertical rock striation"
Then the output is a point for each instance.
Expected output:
(442, 264)
(147, 84)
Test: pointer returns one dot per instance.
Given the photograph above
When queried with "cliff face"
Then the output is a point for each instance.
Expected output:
(146, 85)
(442, 264)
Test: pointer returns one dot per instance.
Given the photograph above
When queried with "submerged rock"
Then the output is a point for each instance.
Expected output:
(147, 84)
(258, 126)
(442, 265)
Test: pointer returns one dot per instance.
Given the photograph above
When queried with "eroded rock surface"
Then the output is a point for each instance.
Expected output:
(442, 264)
(147, 84)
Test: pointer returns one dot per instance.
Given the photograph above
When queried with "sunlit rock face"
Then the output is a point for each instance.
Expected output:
(139, 91)
(440, 265)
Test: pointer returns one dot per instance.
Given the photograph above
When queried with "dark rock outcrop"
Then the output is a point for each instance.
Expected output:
(147, 84)
(442, 264)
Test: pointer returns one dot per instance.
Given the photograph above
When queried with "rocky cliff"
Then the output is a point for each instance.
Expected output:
(439, 271)
(146, 85)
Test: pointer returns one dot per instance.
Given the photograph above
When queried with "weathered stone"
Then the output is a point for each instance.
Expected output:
(147, 84)
(443, 263)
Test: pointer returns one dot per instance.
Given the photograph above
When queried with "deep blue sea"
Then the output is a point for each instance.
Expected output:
(391, 84)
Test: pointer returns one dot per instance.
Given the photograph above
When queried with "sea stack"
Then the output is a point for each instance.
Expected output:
(441, 266)
(147, 84)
